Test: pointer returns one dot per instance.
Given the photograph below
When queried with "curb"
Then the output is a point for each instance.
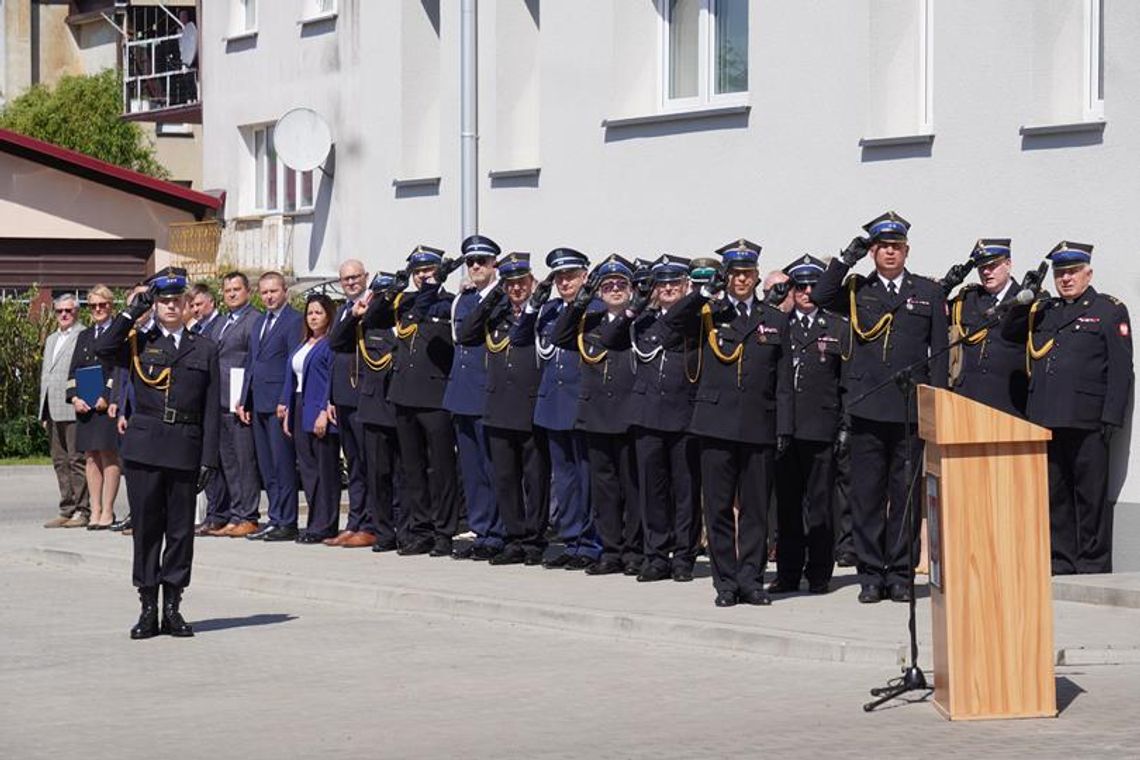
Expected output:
(1104, 595)
(638, 627)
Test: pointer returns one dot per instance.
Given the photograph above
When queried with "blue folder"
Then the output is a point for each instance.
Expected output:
(89, 384)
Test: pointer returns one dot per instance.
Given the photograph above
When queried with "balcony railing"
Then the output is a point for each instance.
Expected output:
(155, 77)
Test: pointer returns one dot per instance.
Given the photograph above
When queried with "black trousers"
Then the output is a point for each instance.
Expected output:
(162, 519)
(737, 473)
(844, 532)
(1080, 517)
(352, 443)
(613, 496)
(318, 459)
(521, 463)
(431, 482)
(669, 477)
(879, 491)
(384, 518)
(805, 489)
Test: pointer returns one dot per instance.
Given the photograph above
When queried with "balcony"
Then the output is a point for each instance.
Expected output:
(160, 66)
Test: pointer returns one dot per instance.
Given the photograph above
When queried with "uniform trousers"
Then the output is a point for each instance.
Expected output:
(570, 470)
(318, 459)
(277, 462)
(805, 488)
(478, 481)
(384, 518)
(844, 532)
(239, 470)
(521, 461)
(162, 520)
(613, 496)
(879, 490)
(352, 443)
(668, 471)
(1080, 517)
(427, 460)
(741, 473)
(70, 469)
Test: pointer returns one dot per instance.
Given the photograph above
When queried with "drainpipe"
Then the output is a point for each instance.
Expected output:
(468, 127)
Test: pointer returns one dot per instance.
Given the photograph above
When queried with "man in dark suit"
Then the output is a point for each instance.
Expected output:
(270, 342)
(466, 398)
(344, 401)
(1080, 359)
(898, 319)
(987, 366)
(235, 445)
(374, 349)
(805, 476)
(170, 449)
(207, 324)
(743, 415)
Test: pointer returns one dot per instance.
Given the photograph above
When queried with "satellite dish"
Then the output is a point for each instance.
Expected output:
(302, 139)
(188, 43)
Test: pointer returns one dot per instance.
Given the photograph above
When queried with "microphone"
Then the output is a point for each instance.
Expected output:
(1024, 297)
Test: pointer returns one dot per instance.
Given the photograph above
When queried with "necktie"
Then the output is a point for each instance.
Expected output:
(225, 325)
(805, 323)
(197, 328)
(742, 309)
(892, 289)
(98, 331)
(268, 326)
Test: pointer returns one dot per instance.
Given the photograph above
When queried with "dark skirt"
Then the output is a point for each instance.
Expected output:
(95, 431)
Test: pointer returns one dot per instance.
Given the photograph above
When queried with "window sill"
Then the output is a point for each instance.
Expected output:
(1038, 130)
(921, 138)
(514, 173)
(331, 15)
(402, 184)
(688, 114)
(239, 36)
(261, 216)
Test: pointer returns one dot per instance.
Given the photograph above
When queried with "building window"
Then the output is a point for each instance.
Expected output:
(705, 46)
(277, 187)
(245, 16)
(322, 7)
(1094, 60)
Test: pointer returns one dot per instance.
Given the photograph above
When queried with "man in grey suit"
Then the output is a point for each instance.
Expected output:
(58, 417)
(235, 446)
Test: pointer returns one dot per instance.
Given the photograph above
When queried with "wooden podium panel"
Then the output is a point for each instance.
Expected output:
(991, 595)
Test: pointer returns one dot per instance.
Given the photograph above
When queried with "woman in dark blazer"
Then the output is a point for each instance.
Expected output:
(303, 413)
(95, 427)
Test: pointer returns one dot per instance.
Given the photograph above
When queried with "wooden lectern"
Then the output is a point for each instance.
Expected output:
(987, 500)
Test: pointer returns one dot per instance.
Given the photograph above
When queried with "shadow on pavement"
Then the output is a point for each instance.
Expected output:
(1067, 693)
(221, 624)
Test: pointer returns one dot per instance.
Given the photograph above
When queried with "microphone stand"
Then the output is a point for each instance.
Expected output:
(912, 678)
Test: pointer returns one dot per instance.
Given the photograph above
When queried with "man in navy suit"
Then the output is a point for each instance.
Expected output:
(206, 323)
(466, 399)
(270, 342)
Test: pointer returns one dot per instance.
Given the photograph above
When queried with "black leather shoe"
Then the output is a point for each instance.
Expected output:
(726, 599)
(534, 557)
(416, 547)
(780, 586)
(819, 587)
(870, 594)
(510, 555)
(900, 592)
(280, 533)
(682, 573)
(607, 566)
(172, 622)
(441, 548)
(756, 596)
(846, 559)
(652, 572)
(260, 533)
(121, 525)
(147, 626)
(463, 551)
(485, 552)
(580, 562)
(557, 562)
(310, 538)
(633, 568)
(384, 546)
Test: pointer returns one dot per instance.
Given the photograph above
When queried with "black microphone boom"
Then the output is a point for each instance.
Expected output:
(1024, 297)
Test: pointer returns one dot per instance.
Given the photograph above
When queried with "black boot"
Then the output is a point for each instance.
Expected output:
(172, 622)
(147, 627)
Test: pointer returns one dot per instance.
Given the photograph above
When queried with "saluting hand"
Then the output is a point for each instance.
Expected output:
(855, 250)
(541, 292)
(141, 303)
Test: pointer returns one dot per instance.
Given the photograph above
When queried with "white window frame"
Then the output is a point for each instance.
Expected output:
(281, 172)
(244, 19)
(319, 10)
(1093, 109)
(706, 97)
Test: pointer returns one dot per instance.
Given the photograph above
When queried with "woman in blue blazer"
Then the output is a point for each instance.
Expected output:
(303, 413)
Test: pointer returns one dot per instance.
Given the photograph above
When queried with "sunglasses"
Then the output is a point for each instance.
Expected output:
(802, 287)
(479, 261)
(99, 304)
(65, 311)
(615, 287)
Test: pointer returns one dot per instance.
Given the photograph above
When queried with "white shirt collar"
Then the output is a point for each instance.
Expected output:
(736, 301)
(1008, 285)
(176, 333)
(488, 287)
(898, 281)
(810, 315)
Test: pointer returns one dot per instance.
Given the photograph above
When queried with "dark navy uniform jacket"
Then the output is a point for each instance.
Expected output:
(605, 397)
(467, 386)
(265, 362)
(84, 356)
(557, 404)
(176, 428)
(345, 337)
(1085, 379)
(993, 367)
(748, 400)
(347, 369)
(513, 371)
(918, 329)
(817, 365)
(425, 353)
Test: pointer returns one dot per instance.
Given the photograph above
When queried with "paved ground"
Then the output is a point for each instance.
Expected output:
(280, 676)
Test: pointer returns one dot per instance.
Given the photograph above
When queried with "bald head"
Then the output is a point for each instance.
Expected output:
(353, 278)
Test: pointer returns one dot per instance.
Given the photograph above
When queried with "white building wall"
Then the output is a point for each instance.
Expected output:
(789, 173)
